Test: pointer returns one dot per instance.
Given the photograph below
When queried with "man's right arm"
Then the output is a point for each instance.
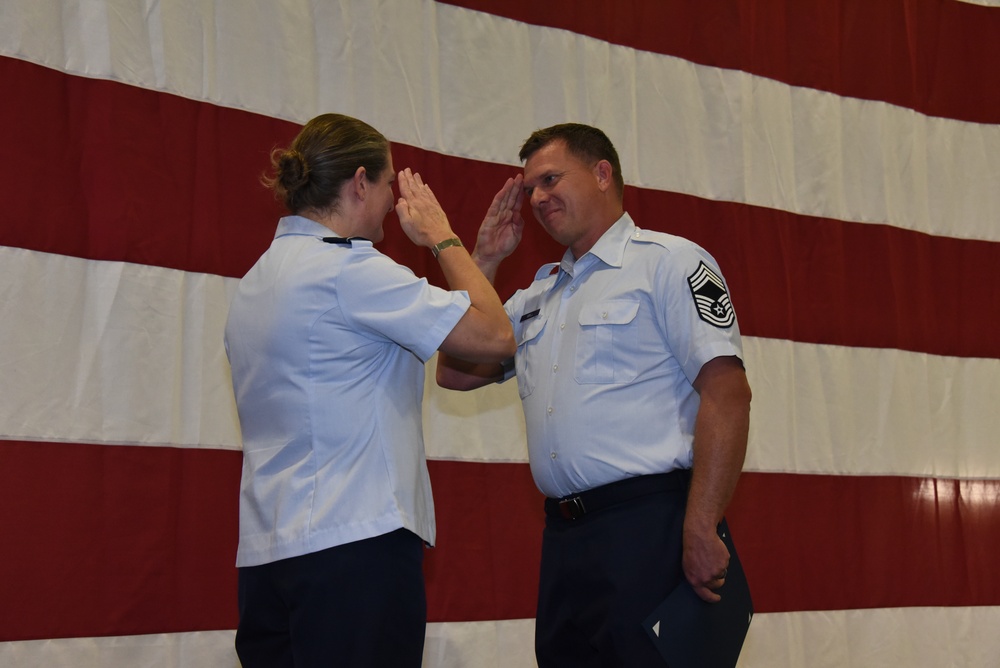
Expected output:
(498, 236)
(456, 374)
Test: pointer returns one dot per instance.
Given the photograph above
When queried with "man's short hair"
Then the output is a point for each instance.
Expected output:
(585, 142)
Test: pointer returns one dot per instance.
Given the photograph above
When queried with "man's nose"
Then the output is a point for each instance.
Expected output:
(538, 196)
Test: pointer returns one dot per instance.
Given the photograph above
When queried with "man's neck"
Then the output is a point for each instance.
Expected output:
(583, 245)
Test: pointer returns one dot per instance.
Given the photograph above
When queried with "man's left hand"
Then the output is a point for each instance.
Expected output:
(706, 560)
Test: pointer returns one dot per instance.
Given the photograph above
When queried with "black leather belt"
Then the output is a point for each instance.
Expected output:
(577, 505)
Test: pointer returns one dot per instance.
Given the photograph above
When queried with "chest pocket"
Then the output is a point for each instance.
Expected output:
(607, 345)
(527, 341)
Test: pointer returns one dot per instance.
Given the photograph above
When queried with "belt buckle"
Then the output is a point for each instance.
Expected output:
(572, 508)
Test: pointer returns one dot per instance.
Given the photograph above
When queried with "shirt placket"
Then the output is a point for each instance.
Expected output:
(561, 355)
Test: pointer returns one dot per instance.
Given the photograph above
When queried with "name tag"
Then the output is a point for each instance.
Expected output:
(530, 315)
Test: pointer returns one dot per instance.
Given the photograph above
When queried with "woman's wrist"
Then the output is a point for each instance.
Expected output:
(445, 243)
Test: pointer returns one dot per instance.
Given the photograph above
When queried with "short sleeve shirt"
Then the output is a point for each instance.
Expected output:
(609, 346)
(327, 344)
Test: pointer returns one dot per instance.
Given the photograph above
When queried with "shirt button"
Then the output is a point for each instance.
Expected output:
(562, 326)
(572, 288)
(549, 410)
(555, 367)
(605, 315)
(553, 455)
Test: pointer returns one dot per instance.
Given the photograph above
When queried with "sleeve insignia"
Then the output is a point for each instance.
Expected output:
(710, 297)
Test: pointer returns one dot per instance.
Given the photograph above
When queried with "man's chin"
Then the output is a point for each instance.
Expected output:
(549, 223)
(554, 231)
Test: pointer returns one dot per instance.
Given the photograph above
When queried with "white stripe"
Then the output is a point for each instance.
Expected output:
(161, 650)
(497, 644)
(508, 643)
(816, 409)
(487, 644)
(875, 638)
(485, 425)
(861, 411)
(111, 352)
(471, 84)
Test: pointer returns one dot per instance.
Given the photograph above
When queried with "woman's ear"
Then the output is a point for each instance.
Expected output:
(360, 183)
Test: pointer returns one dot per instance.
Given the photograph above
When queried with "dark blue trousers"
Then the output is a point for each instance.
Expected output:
(602, 574)
(359, 605)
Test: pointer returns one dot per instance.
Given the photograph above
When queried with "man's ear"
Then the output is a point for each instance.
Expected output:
(604, 174)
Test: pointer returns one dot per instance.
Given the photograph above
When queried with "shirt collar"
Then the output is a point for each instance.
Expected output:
(300, 225)
(609, 249)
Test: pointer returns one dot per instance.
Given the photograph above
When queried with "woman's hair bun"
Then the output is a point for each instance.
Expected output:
(293, 172)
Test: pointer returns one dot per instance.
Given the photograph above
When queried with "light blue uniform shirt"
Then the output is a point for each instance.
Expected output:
(608, 349)
(327, 344)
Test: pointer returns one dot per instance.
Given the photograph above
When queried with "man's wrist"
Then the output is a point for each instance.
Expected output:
(486, 263)
(507, 370)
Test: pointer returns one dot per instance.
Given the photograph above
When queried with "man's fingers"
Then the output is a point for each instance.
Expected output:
(706, 594)
(510, 194)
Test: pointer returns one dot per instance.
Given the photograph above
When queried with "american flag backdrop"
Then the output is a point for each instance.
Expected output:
(839, 158)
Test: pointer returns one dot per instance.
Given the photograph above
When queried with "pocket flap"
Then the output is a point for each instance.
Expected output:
(617, 312)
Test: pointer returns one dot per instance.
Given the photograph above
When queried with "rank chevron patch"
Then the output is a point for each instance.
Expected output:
(710, 297)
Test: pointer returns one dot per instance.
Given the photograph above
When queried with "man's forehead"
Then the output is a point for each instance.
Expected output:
(553, 157)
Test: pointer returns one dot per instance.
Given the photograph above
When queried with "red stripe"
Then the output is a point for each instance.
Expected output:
(819, 280)
(485, 565)
(934, 56)
(122, 173)
(155, 179)
(133, 540)
(116, 540)
(811, 542)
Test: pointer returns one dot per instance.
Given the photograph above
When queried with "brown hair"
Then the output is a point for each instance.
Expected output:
(583, 141)
(326, 153)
